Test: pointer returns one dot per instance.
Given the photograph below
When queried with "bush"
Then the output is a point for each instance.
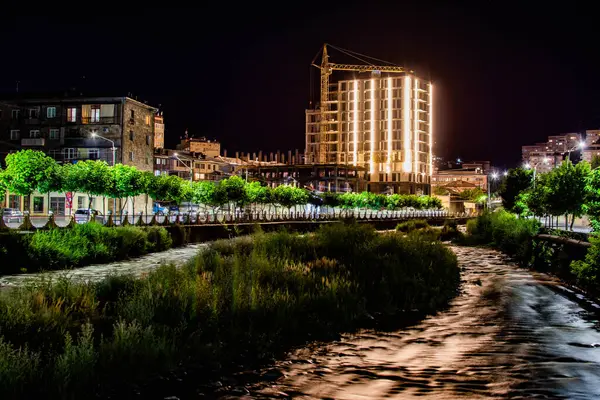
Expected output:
(238, 301)
(587, 271)
(505, 231)
(81, 245)
(411, 225)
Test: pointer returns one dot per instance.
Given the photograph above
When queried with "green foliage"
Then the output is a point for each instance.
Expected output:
(566, 188)
(587, 271)
(289, 196)
(234, 188)
(411, 225)
(90, 177)
(236, 302)
(595, 162)
(331, 199)
(440, 191)
(505, 231)
(517, 181)
(592, 204)
(27, 171)
(81, 245)
(476, 195)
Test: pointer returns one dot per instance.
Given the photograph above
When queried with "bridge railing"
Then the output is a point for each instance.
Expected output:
(27, 222)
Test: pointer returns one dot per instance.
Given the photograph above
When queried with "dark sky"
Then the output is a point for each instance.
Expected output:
(505, 74)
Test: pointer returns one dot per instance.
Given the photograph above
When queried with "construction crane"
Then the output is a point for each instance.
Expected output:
(326, 69)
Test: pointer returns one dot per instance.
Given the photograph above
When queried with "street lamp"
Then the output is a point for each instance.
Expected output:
(114, 159)
(545, 160)
(494, 176)
(580, 145)
(191, 166)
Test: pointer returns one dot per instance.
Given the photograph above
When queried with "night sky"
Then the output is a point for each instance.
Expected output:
(505, 75)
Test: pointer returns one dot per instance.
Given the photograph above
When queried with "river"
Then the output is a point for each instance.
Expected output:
(510, 333)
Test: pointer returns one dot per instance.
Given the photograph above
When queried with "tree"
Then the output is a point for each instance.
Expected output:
(288, 196)
(2, 186)
(128, 182)
(146, 181)
(258, 194)
(474, 194)
(27, 171)
(235, 191)
(566, 187)
(592, 203)
(440, 191)
(517, 181)
(595, 162)
(90, 177)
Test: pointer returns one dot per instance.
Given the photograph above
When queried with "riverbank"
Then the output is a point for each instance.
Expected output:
(236, 303)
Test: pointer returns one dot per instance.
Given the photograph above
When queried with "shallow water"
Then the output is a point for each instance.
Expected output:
(137, 266)
(510, 333)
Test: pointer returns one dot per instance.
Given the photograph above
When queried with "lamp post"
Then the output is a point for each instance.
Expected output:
(580, 145)
(191, 166)
(545, 160)
(494, 176)
(114, 159)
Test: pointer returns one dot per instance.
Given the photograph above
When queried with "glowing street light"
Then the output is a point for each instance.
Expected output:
(191, 166)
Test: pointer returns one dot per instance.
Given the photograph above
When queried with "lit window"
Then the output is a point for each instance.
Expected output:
(14, 134)
(95, 114)
(34, 133)
(147, 120)
(54, 134)
(71, 114)
(69, 153)
(156, 172)
(51, 112)
(15, 114)
(158, 161)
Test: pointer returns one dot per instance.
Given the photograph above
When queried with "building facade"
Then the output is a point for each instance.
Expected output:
(458, 180)
(159, 131)
(202, 145)
(71, 129)
(383, 124)
(189, 166)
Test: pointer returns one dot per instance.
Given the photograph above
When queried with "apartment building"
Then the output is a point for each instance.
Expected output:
(383, 124)
(70, 129)
(189, 165)
(211, 148)
(551, 153)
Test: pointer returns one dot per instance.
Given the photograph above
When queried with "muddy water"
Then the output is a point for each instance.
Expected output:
(509, 334)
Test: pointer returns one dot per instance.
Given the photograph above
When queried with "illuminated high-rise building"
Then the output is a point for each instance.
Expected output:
(383, 123)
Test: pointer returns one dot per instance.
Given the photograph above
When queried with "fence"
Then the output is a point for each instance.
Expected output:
(27, 222)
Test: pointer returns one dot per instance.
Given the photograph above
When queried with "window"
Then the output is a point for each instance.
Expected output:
(147, 160)
(131, 156)
(57, 205)
(93, 154)
(158, 161)
(95, 114)
(69, 153)
(54, 134)
(15, 114)
(156, 172)
(81, 202)
(130, 135)
(147, 120)
(33, 112)
(148, 139)
(51, 112)
(71, 114)
(34, 133)
(132, 114)
(38, 204)
(14, 201)
(14, 134)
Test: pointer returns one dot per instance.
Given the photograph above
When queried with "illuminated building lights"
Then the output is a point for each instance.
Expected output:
(372, 147)
(355, 125)
(406, 165)
(430, 129)
(416, 126)
(389, 125)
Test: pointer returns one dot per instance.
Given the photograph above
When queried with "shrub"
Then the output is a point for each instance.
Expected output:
(81, 245)
(505, 231)
(587, 271)
(411, 225)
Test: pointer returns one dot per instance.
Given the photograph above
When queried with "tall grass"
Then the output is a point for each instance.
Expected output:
(81, 245)
(236, 301)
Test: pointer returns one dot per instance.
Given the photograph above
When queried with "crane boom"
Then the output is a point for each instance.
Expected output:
(326, 69)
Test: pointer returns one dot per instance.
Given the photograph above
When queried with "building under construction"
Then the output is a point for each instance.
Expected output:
(381, 122)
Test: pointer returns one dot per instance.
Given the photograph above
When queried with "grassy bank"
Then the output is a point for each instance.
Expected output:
(237, 301)
(81, 245)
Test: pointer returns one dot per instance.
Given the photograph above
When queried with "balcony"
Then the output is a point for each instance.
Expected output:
(99, 120)
(33, 142)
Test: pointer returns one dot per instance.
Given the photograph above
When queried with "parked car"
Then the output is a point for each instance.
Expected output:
(84, 215)
(159, 209)
(12, 216)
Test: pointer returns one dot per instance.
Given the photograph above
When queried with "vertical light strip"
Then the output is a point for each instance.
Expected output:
(406, 117)
(355, 126)
(389, 125)
(372, 147)
(416, 126)
(430, 129)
